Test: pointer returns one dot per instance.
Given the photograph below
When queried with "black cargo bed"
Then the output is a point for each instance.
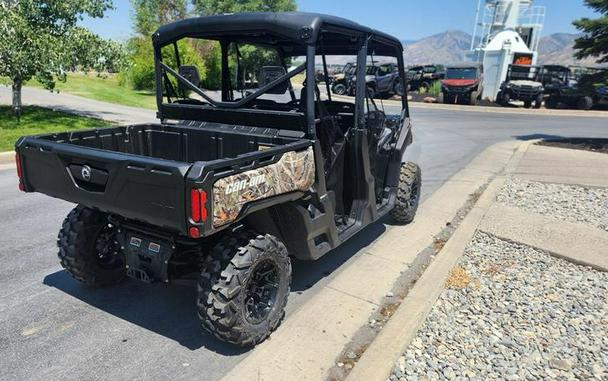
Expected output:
(140, 171)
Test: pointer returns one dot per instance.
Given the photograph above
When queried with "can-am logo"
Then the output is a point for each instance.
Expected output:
(239, 185)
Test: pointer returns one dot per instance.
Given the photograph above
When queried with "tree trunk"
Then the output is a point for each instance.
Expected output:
(17, 96)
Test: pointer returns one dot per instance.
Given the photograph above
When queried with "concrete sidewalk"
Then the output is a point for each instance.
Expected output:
(81, 106)
(581, 243)
(578, 242)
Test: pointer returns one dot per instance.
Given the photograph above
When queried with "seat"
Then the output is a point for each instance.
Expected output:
(332, 141)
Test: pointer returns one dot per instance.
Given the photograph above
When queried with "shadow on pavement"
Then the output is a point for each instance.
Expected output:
(166, 310)
(169, 310)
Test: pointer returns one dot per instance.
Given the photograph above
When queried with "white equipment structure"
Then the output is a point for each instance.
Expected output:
(507, 32)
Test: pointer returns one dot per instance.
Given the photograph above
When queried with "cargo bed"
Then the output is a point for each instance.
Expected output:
(143, 172)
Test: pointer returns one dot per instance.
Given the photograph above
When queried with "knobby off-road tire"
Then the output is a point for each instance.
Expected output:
(408, 194)
(88, 249)
(243, 288)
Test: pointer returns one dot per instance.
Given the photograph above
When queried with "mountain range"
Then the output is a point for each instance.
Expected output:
(450, 47)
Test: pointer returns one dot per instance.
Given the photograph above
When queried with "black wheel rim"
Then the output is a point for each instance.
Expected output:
(108, 249)
(261, 291)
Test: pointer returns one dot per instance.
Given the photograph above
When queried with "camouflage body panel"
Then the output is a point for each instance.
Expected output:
(294, 171)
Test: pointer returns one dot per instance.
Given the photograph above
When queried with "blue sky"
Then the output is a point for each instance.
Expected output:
(405, 19)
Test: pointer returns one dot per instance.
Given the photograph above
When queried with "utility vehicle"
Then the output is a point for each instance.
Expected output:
(587, 90)
(380, 79)
(231, 185)
(462, 84)
(422, 78)
(522, 83)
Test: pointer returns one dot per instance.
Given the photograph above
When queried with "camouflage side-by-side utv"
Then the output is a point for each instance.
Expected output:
(231, 185)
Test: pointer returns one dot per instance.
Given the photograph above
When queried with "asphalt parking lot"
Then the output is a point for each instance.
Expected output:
(54, 328)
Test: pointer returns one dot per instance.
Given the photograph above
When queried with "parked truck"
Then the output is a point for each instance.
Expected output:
(227, 188)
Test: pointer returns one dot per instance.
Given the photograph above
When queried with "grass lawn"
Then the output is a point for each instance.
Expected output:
(105, 88)
(38, 120)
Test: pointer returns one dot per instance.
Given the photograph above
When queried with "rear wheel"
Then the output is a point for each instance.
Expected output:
(424, 88)
(89, 250)
(584, 103)
(408, 193)
(243, 288)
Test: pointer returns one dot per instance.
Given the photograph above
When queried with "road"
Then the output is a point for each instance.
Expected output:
(54, 328)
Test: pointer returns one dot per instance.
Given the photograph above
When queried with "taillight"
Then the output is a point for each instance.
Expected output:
(198, 205)
(195, 205)
(19, 171)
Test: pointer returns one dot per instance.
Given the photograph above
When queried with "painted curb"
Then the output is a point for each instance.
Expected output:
(378, 360)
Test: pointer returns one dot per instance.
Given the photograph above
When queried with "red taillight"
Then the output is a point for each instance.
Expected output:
(198, 205)
(195, 205)
(19, 171)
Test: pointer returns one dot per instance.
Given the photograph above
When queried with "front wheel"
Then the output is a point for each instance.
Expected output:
(243, 288)
(89, 249)
(473, 98)
(339, 89)
(398, 89)
(408, 193)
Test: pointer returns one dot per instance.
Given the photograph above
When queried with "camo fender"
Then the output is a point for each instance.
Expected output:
(294, 171)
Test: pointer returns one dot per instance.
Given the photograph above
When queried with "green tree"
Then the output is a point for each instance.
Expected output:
(251, 57)
(148, 15)
(594, 42)
(41, 39)
(214, 7)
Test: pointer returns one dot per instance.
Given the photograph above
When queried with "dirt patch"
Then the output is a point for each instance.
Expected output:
(585, 144)
(458, 279)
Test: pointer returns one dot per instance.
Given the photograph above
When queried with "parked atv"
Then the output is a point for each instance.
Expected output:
(225, 190)
(521, 84)
(462, 84)
(422, 78)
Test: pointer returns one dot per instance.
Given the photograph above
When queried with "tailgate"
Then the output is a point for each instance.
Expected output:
(132, 186)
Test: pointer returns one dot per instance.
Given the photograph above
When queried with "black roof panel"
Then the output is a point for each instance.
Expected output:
(295, 29)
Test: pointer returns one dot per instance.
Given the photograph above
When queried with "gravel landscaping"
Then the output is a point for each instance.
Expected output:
(513, 312)
(566, 202)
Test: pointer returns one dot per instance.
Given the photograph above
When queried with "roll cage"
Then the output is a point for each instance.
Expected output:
(291, 34)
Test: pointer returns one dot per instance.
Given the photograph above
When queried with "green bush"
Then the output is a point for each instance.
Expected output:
(140, 73)
(435, 89)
